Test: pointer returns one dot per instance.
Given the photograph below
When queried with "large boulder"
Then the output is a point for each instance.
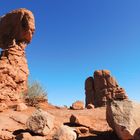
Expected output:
(16, 30)
(40, 122)
(137, 134)
(101, 88)
(65, 133)
(124, 118)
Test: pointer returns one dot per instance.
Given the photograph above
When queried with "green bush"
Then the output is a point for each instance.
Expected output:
(35, 94)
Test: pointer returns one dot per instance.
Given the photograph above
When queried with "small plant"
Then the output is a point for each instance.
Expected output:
(35, 94)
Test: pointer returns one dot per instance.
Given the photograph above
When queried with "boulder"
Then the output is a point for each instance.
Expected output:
(40, 122)
(16, 31)
(21, 107)
(65, 133)
(21, 27)
(137, 134)
(78, 105)
(101, 88)
(123, 118)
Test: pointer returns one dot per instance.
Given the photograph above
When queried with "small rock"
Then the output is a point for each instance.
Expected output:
(3, 107)
(82, 130)
(90, 106)
(21, 107)
(137, 134)
(40, 122)
(65, 133)
(80, 120)
(78, 105)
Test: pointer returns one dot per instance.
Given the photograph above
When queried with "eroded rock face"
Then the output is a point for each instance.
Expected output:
(101, 88)
(123, 118)
(16, 30)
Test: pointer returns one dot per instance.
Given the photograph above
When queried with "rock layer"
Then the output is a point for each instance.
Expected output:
(16, 30)
(101, 88)
(123, 118)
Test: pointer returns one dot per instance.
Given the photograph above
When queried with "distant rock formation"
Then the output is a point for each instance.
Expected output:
(16, 30)
(78, 105)
(101, 88)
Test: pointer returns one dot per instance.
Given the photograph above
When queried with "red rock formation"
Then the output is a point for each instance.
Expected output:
(16, 30)
(103, 88)
(89, 90)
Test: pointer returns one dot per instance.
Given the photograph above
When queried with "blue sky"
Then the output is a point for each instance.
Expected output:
(76, 37)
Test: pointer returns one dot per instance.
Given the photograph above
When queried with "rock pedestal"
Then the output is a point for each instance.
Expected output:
(16, 30)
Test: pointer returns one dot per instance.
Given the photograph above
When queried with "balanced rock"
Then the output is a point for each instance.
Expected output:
(101, 88)
(40, 122)
(16, 30)
(65, 133)
(124, 118)
(78, 105)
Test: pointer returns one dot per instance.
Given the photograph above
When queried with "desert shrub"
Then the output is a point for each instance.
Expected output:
(35, 94)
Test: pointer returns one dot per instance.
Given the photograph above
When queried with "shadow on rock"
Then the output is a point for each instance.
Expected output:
(108, 135)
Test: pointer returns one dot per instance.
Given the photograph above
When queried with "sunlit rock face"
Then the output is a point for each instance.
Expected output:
(101, 88)
(16, 31)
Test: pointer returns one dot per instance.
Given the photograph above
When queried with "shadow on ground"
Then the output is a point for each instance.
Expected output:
(109, 135)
